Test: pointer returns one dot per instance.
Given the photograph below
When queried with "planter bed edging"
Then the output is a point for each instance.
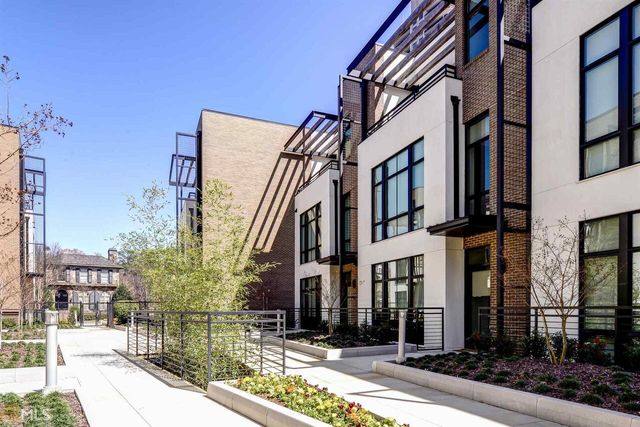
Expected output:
(544, 407)
(339, 353)
(260, 410)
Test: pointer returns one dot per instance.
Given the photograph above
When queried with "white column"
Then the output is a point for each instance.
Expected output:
(51, 323)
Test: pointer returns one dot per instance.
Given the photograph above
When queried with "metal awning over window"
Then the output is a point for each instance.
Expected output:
(419, 43)
(316, 136)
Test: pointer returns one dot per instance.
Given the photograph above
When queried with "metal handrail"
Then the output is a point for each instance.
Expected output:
(445, 71)
(332, 165)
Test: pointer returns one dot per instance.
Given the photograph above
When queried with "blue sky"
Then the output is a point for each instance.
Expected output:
(131, 73)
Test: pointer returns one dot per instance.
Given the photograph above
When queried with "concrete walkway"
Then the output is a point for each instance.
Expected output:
(408, 403)
(114, 391)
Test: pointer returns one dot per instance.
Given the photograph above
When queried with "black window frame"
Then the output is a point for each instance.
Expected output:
(411, 210)
(469, 32)
(385, 279)
(624, 53)
(624, 318)
(307, 251)
(479, 169)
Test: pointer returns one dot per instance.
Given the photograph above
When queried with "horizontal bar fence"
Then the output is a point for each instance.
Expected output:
(615, 323)
(200, 347)
(425, 325)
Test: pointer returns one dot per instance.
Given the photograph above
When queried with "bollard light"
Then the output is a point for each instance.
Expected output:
(51, 323)
(402, 335)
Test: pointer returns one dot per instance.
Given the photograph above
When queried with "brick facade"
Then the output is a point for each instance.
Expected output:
(479, 78)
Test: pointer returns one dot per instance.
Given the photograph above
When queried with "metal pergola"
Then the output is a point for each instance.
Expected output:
(419, 43)
(316, 136)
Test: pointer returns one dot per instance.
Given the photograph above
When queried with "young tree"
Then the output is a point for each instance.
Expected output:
(558, 285)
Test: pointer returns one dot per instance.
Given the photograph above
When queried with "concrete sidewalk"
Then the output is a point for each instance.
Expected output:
(114, 391)
(353, 379)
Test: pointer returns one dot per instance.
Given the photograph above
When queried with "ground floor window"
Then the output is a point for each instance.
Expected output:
(610, 279)
(399, 283)
(310, 300)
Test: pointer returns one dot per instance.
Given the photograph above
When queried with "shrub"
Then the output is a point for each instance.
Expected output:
(628, 396)
(621, 377)
(569, 393)
(591, 399)
(479, 342)
(500, 379)
(604, 390)
(548, 378)
(471, 365)
(594, 352)
(572, 346)
(631, 406)
(534, 346)
(481, 376)
(463, 374)
(503, 346)
(569, 383)
(9, 323)
(632, 355)
(504, 373)
(520, 383)
(542, 388)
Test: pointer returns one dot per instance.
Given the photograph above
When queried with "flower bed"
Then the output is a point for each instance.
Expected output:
(605, 387)
(36, 409)
(337, 340)
(24, 355)
(26, 333)
(297, 394)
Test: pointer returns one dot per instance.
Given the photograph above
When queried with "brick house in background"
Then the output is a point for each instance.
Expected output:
(87, 279)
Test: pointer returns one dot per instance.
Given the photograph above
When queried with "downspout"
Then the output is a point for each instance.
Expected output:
(455, 102)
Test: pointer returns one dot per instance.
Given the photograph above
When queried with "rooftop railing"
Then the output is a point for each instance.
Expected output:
(332, 165)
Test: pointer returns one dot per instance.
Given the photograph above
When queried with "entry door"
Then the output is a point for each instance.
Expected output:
(310, 302)
(477, 289)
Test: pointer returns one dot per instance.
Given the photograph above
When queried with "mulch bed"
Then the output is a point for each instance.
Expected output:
(605, 387)
(337, 340)
(76, 408)
(25, 355)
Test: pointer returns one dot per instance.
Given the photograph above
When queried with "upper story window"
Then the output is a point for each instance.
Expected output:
(310, 240)
(610, 81)
(110, 277)
(346, 229)
(77, 275)
(477, 27)
(83, 275)
(89, 274)
(477, 172)
(398, 193)
(99, 278)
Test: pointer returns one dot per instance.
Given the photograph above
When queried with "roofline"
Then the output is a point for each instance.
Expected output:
(207, 110)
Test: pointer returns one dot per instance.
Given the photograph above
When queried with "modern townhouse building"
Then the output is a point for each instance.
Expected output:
(22, 225)
(248, 154)
(86, 279)
(586, 150)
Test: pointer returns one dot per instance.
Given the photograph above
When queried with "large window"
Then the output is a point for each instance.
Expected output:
(310, 235)
(398, 193)
(346, 227)
(610, 257)
(477, 27)
(477, 166)
(610, 132)
(399, 283)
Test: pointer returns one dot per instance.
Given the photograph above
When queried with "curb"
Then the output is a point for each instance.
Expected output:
(547, 408)
(340, 353)
(258, 409)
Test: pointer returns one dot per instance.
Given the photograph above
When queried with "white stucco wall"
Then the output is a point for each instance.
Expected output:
(320, 191)
(430, 117)
(557, 191)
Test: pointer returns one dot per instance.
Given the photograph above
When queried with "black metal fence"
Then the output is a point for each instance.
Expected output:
(425, 325)
(617, 324)
(208, 346)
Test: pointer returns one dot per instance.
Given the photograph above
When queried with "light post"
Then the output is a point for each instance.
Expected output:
(402, 335)
(51, 323)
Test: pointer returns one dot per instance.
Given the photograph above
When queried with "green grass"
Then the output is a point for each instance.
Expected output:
(36, 410)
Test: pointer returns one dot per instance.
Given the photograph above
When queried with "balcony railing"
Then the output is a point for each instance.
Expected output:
(445, 71)
(332, 165)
